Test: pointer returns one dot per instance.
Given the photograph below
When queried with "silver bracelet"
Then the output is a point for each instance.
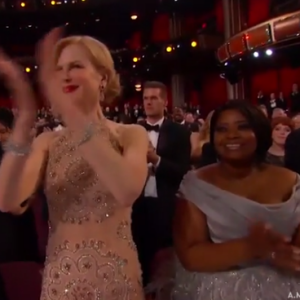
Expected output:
(16, 149)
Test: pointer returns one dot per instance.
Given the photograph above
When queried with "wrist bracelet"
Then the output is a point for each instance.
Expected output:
(16, 149)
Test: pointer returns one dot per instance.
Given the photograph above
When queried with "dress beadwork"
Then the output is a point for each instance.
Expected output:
(90, 252)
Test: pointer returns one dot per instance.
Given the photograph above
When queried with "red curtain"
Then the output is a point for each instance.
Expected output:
(219, 16)
(135, 41)
(258, 11)
(161, 29)
(213, 92)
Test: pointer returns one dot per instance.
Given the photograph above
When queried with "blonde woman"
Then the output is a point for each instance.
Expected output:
(91, 171)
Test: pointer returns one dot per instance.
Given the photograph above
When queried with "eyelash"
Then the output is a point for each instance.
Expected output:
(71, 67)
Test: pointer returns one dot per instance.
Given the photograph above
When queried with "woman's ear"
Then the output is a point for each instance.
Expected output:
(103, 81)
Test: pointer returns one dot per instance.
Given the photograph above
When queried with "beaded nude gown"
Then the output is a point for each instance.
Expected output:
(90, 252)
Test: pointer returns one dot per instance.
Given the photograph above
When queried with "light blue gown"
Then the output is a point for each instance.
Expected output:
(229, 217)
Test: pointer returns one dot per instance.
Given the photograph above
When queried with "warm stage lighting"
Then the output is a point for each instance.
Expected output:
(23, 4)
(53, 2)
(27, 70)
(133, 17)
(194, 44)
(169, 49)
(138, 87)
(135, 59)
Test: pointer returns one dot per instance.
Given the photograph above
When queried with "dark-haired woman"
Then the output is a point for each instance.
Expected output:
(236, 225)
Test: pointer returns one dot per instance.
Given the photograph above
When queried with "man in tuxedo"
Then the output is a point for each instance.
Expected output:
(168, 161)
(292, 151)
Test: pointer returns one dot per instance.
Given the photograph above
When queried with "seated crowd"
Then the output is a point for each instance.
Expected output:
(25, 236)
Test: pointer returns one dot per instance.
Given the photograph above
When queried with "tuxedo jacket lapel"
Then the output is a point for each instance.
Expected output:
(162, 138)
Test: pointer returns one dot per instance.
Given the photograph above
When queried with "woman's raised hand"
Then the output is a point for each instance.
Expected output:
(20, 89)
(46, 61)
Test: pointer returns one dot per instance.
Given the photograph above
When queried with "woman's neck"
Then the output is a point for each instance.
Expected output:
(276, 149)
(237, 171)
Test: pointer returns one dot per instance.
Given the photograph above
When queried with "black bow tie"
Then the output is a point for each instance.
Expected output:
(152, 127)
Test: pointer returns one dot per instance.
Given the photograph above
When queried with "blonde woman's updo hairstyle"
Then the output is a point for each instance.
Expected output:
(101, 59)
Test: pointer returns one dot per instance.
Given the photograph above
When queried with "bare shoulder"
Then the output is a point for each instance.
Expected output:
(130, 131)
(206, 172)
(281, 176)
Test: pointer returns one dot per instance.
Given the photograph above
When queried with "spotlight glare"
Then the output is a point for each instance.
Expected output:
(169, 49)
(269, 52)
(27, 70)
(133, 17)
(256, 54)
(23, 4)
(194, 44)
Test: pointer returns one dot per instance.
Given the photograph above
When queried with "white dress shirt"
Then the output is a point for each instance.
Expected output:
(150, 187)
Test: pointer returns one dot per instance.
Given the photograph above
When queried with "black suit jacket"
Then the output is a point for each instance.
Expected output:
(174, 149)
(154, 216)
(292, 151)
(295, 103)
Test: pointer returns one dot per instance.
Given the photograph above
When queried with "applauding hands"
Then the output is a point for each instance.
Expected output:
(19, 85)
(267, 244)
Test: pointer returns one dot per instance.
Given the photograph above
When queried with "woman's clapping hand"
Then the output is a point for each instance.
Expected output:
(267, 244)
(21, 91)
(286, 256)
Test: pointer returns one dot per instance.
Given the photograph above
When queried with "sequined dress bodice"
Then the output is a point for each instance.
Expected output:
(90, 252)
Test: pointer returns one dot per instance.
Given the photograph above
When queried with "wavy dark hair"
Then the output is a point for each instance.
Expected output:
(258, 122)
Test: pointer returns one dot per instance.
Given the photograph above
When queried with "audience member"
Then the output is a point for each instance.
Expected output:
(278, 112)
(281, 128)
(187, 119)
(295, 99)
(168, 161)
